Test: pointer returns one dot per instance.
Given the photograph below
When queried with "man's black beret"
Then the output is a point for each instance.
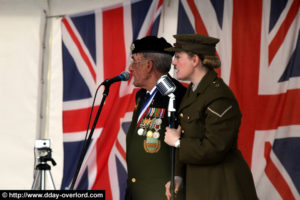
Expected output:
(151, 44)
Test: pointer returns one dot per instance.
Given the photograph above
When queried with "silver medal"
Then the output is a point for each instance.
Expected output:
(140, 132)
(158, 121)
(156, 135)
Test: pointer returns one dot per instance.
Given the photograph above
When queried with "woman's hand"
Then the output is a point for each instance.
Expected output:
(172, 135)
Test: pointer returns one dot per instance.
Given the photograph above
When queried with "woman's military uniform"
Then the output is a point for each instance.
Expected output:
(214, 168)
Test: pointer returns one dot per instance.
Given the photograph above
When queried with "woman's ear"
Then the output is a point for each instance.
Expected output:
(195, 60)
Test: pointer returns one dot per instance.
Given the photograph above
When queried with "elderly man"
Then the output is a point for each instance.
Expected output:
(148, 157)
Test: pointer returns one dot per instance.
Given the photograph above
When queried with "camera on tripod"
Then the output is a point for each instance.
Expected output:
(42, 174)
(43, 152)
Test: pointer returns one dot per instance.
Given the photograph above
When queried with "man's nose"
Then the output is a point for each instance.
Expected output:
(130, 68)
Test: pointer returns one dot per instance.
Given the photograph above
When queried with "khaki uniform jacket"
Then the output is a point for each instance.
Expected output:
(148, 172)
(213, 167)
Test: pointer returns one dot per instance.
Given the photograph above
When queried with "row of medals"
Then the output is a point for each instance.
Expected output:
(147, 125)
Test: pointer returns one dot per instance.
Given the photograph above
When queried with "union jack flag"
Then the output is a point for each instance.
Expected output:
(260, 54)
(96, 46)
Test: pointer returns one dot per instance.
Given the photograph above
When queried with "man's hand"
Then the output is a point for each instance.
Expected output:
(178, 181)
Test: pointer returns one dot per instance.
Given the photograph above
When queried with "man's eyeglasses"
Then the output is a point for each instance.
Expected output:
(136, 62)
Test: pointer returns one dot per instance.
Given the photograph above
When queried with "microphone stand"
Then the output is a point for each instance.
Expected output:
(88, 141)
(172, 124)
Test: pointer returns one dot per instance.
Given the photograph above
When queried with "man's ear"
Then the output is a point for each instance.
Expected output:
(149, 65)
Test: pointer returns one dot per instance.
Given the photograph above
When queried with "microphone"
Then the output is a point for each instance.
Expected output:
(165, 85)
(124, 76)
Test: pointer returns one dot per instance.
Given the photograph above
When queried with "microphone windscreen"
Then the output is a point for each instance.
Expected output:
(165, 85)
(125, 76)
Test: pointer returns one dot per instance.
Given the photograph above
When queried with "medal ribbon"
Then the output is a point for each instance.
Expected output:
(162, 113)
(145, 107)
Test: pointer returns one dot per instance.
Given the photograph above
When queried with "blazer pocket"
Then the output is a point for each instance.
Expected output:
(192, 125)
(189, 117)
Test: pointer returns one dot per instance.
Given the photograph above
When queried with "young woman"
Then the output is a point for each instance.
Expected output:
(206, 139)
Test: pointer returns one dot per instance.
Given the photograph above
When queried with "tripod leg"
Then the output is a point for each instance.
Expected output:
(36, 179)
(43, 185)
(50, 179)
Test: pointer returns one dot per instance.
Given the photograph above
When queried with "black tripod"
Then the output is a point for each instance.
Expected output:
(42, 173)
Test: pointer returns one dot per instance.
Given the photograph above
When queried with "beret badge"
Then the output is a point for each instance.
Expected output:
(178, 45)
(132, 47)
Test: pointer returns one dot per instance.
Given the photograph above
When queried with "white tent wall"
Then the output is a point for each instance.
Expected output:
(21, 53)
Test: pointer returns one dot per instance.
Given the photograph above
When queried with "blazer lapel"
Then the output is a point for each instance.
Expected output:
(188, 98)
